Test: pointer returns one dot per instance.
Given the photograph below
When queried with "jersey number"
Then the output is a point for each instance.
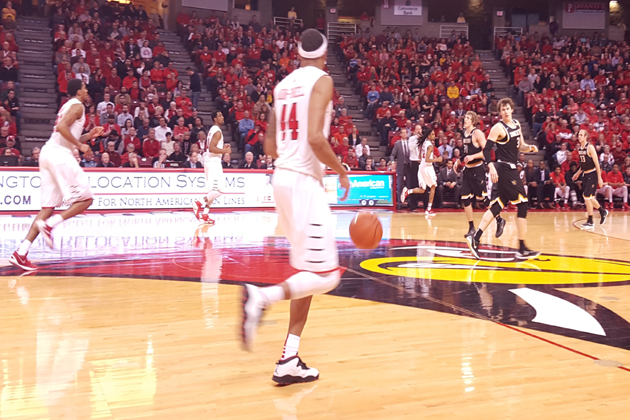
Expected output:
(582, 158)
(289, 122)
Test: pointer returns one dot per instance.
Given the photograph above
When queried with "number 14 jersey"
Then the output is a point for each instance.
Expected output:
(292, 98)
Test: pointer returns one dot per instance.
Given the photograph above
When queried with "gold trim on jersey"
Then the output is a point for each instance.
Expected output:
(474, 166)
(590, 171)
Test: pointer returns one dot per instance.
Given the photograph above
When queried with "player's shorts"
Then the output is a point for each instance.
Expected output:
(214, 174)
(474, 183)
(509, 186)
(426, 176)
(63, 180)
(589, 184)
(306, 221)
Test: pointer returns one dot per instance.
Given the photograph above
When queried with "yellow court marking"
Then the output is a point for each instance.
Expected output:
(549, 269)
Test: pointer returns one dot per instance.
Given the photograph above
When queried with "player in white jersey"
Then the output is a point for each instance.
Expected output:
(212, 149)
(297, 136)
(426, 172)
(62, 179)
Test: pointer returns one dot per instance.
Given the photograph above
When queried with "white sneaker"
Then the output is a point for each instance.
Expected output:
(429, 213)
(253, 306)
(46, 232)
(294, 371)
(404, 195)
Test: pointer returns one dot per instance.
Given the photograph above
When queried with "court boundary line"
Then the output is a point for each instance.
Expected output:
(574, 223)
(478, 316)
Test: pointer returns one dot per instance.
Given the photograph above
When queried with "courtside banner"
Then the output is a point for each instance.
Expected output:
(156, 189)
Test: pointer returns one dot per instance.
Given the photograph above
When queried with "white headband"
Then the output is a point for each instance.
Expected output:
(314, 54)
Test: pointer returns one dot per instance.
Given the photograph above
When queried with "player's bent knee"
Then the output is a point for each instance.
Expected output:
(307, 283)
(521, 210)
(495, 209)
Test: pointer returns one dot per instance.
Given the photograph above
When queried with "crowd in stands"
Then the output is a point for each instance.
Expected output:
(567, 84)
(10, 117)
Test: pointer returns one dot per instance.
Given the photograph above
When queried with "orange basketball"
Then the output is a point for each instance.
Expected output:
(366, 230)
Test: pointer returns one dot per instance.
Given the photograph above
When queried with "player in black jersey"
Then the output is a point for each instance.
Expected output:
(474, 176)
(507, 136)
(591, 179)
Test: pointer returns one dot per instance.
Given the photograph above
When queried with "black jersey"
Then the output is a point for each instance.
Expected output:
(586, 162)
(508, 147)
(471, 149)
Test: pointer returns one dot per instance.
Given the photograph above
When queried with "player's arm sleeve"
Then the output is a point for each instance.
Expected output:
(492, 138)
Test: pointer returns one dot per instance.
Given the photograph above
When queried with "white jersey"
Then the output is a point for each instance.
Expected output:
(412, 144)
(56, 139)
(292, 98)
(205, 146)
(425, 148)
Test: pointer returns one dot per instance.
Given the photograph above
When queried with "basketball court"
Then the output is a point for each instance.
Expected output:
(136, 316)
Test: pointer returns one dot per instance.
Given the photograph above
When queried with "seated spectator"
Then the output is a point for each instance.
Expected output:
(226, 161)
(267, 163)
(88, 160)
(248, 163)
(193, 161)
(151, 146)
(369, 164)
(10, 147)
(114, 156)
(105, 162)
(561, 193)
(616, 182)
(168, 144)
(161, 130)
(159, 162)
(351, 160)
(177, 155)
(362, 146)
(33, 161)
(132, 161)
(129, 148)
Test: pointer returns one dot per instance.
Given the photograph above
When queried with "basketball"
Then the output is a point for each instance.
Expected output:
(366, 230)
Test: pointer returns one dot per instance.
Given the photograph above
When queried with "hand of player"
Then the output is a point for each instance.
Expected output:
(227, 148)
(533, 149)
(600, 182)
(439, 159)
(345, 184)
(84, 148)
(96, 132)
(494, 176)
(467, 159)
(575, 176)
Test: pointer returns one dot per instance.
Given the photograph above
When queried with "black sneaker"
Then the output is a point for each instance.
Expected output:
(604, 214)
(527, 254)
(500, 227)
(473, 245)
(471, 232)
(294, 371)
(587, 226)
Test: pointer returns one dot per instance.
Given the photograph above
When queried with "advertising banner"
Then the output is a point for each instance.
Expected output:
(584, 15)
(152, 189)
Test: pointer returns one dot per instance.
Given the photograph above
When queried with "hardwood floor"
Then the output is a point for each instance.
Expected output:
(144, 325)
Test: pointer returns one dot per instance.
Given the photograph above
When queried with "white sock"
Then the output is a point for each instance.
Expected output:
(429, 206)
(24, 247)
(54, 220)
(291, 346)
(272, 294)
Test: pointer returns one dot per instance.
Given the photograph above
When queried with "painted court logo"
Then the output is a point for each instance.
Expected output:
(534, 294)
(454, 263)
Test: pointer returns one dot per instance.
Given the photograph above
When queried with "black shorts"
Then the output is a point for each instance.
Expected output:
(411, 174)
(474, 183)
(589, 184)
(510, 185)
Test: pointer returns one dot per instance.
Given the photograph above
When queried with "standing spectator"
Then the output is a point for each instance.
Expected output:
(400, 155)
(195, 86)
